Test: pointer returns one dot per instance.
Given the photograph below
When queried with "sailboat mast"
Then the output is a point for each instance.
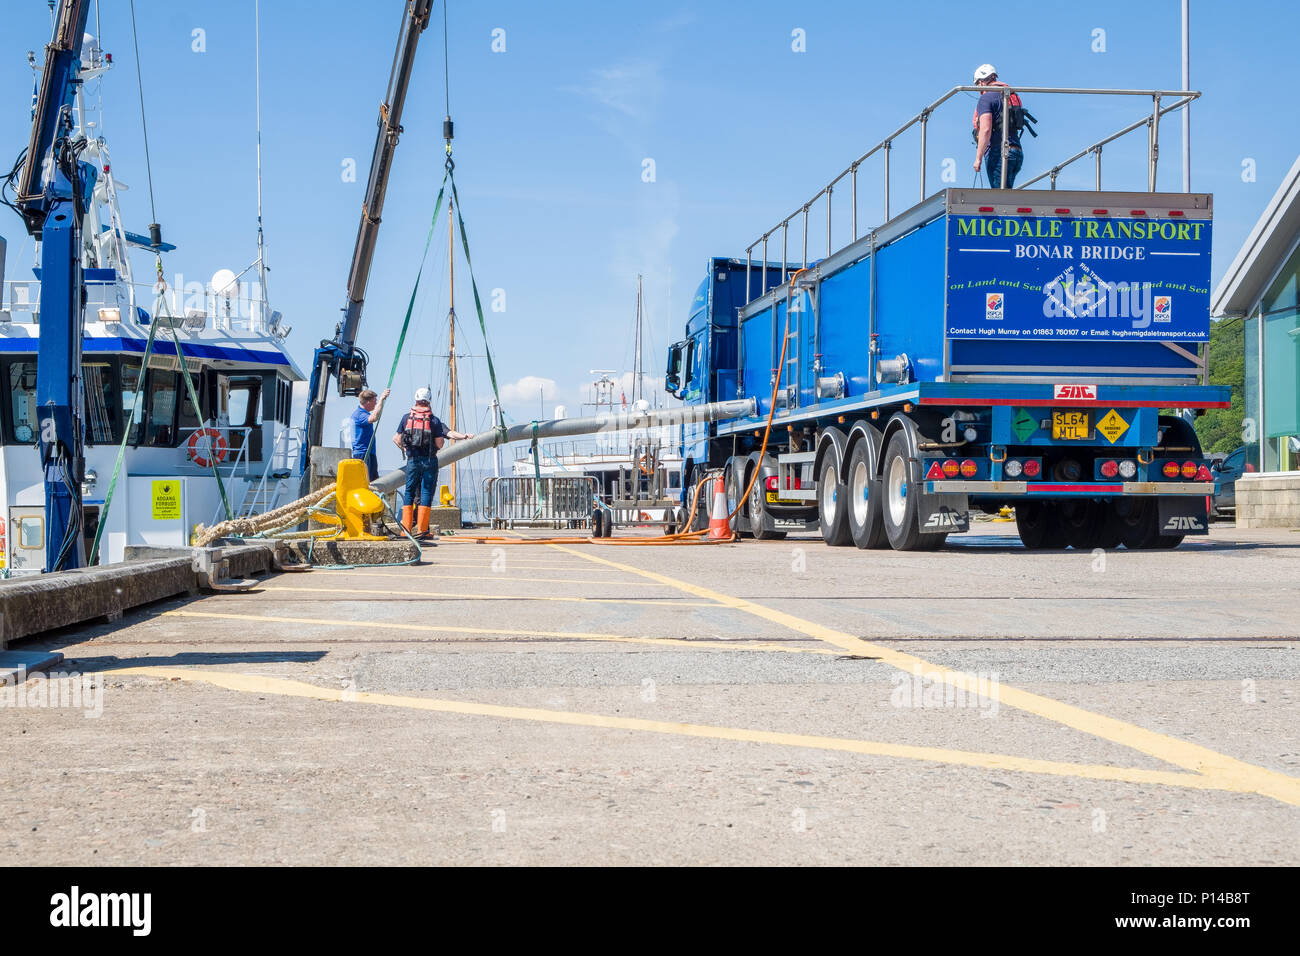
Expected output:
(637, 386)
(451, 340)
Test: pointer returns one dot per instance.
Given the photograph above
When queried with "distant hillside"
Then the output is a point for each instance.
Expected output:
(1220, 428)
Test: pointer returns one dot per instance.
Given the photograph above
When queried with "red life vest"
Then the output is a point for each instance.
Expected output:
(417, 436)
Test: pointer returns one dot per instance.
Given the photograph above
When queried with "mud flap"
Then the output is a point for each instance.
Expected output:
(943, 514)
(1183, 516)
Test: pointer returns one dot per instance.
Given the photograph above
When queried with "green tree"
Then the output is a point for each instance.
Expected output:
(1219, 429)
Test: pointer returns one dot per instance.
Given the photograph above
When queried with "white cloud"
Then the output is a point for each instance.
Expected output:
(528, 391)
(632, 88)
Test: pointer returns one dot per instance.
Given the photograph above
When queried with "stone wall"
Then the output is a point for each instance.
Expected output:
(1268, 500)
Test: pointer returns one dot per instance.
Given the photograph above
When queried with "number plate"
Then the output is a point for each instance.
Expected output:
(1072, 425)
(773, 497)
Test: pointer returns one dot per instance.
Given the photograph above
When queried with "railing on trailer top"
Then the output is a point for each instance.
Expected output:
(1152, 122)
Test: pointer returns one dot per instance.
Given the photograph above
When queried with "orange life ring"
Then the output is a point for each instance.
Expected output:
(216, 443)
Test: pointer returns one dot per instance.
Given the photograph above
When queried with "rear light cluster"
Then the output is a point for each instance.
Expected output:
(1022, 468)
(1186, 470)
(773, 483)
(1117, 468)
(952, 468)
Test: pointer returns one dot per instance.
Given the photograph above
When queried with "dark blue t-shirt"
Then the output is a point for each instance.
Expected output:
(362, 432)
(991, 103)
(436, 430)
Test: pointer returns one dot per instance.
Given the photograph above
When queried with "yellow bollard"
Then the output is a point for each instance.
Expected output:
(354, 502)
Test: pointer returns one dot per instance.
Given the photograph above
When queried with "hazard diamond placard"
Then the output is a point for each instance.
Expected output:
(1112, 425)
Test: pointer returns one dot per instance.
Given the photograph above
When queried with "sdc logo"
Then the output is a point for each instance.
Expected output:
(993, 306)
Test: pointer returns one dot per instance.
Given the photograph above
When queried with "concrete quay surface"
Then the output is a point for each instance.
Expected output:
(761, 702)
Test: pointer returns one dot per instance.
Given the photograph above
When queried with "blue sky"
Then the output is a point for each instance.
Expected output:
(552, 134)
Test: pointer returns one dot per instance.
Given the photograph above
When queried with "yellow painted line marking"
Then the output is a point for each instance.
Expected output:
(510, 578)
(516, 632)
(435, 563)
(459, 596)
(1228, 773)
(249, 683)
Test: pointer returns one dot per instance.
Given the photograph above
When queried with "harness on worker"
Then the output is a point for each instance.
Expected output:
(1021, 119)
(417, 436)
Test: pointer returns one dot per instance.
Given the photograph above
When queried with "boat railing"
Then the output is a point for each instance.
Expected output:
(193, 306)
(1159, 98)
(279, 464)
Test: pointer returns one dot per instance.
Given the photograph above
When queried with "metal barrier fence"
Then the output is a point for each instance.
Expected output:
(553, 502)
(1181, 99)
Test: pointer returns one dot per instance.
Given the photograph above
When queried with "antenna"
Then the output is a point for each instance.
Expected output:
(257, 72)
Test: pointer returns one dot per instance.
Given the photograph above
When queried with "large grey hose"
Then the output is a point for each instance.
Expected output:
(560, 427)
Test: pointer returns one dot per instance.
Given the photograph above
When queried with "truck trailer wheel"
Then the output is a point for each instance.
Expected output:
(862, 494)
(1133, 522)
(899, 496)
(833, 504)
(757, 506)
(1039, 524)
(1082, 522)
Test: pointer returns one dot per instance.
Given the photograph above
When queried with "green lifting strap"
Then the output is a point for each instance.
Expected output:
(126, 434)
(194, 400)
(410, 306)
(478, 304)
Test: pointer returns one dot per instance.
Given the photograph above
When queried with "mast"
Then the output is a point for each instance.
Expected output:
(257, 72)
(451, 347)
(637, 387)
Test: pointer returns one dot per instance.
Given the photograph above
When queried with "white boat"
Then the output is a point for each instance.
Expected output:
(233, 348)
(637, 474)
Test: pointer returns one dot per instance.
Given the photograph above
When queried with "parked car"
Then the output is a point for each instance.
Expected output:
(1227, 472)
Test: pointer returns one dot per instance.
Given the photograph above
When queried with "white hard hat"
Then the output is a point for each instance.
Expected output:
(984, 71)
(423, 395)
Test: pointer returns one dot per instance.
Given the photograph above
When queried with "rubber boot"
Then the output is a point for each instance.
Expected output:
(408, 519)
(424, 522)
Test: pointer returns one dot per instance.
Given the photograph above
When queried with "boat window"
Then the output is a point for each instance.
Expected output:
(190, 418)
(160, 409)
(130, 378)
(244, 407)
(22, 402)
(97, 380)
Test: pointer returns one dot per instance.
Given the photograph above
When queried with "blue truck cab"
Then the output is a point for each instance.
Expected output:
(986, 348)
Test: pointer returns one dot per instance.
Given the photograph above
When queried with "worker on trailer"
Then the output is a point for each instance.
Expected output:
(988, 129)
(363, 428)
(420, 434)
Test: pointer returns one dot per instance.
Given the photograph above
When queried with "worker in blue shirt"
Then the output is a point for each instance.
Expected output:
(988, 129)
(363, 428)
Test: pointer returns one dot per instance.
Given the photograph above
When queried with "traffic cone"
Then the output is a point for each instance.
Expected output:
(719, 528)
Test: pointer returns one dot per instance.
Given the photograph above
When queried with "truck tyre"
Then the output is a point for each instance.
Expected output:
(1081, 523)
(1133, 522)
(734, 480)
(701, 520)
(899, 496)
(1039, 524)
(756, 506)
(597, 523)
(833, 503)
(862, 494)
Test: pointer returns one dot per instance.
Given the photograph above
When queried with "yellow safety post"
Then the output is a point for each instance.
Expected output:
(445, 497)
